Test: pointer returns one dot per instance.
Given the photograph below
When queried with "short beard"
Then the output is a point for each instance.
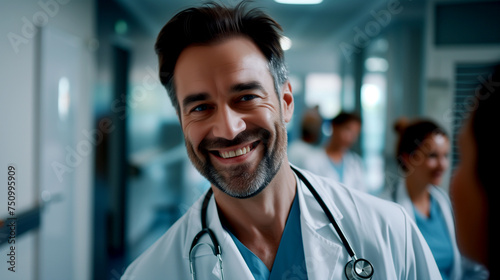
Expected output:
(242, 184)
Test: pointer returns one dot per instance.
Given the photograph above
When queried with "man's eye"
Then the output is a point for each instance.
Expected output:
(200, 108)
(248, 97)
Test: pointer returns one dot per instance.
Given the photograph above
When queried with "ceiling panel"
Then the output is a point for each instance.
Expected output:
(315, 29)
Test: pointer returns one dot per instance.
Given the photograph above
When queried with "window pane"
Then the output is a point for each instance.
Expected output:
(323, 89)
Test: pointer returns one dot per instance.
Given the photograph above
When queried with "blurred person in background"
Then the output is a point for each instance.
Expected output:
(309, 139)
(336, 161)
(474, 187)
(422, 154)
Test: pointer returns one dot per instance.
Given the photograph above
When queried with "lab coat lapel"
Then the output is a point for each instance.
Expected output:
(445, 206)
(321, 253)
(402, 197)
(233, 264)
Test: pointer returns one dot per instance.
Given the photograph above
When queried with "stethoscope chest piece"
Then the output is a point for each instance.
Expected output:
(358, 269)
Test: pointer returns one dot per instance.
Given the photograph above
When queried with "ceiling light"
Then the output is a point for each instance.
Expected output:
(299, 2)
(285, 43)
(121, 27)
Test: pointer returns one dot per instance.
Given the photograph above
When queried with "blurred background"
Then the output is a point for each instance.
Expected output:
(101, 167)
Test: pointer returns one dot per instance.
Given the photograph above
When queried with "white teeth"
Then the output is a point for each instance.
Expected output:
(238, 152)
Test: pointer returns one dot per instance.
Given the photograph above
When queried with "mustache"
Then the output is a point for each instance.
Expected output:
(243, 137)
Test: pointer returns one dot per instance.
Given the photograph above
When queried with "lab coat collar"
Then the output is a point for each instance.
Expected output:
(402, 197)
(310, 209)
(321, 253)
(234, 265)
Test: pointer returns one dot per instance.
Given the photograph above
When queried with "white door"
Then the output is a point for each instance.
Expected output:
(60, 154)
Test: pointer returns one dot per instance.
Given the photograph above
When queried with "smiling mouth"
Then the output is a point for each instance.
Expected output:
(237, 152)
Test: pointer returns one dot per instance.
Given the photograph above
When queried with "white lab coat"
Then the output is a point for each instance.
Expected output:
(378, 230)
(298, 150)
(320, 164)
(462, 267)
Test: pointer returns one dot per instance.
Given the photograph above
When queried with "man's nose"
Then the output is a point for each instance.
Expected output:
(228, 123)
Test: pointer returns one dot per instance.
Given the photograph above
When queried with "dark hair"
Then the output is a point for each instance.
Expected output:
(412, 136)
(483, 122)
(212, 23)
(345, 117)
(311, 125)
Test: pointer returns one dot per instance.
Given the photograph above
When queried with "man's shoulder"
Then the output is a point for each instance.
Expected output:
(168, 249)
(354, 202)
(315, 159)
(376, 222)
(354, 156)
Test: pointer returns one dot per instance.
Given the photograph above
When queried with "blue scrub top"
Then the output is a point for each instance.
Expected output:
(339, 168)
(436, 234)
(289, 261)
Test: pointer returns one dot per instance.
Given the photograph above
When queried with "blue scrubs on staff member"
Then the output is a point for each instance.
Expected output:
(435, 232)
(225, 73)
(290, 260)
(422, 154)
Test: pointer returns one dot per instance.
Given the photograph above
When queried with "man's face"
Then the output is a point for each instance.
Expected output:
(347, 134)
(232, 119)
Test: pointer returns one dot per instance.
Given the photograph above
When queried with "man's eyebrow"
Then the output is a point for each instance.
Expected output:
(194, 98)
(254, 85)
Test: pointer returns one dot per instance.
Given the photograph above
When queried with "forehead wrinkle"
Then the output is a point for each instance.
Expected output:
(202, 62)
(244, 86)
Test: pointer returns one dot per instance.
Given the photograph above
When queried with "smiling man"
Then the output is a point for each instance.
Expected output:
(231, 116)
(224, 71)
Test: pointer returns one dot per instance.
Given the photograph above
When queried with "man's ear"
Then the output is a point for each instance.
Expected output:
(287, 101)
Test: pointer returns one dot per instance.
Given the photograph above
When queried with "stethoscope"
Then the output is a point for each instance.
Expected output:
(355, 269)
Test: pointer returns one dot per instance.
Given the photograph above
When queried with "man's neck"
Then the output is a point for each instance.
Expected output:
(335, 152)
(258, 222)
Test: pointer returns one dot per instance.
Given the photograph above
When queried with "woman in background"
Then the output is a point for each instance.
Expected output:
(474, 187)
(422, 155)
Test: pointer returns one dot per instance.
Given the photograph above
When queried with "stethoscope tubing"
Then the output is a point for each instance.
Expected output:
(327, 213)
(218, 251)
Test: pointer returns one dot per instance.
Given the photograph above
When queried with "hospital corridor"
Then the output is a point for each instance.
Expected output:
(102, 152)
